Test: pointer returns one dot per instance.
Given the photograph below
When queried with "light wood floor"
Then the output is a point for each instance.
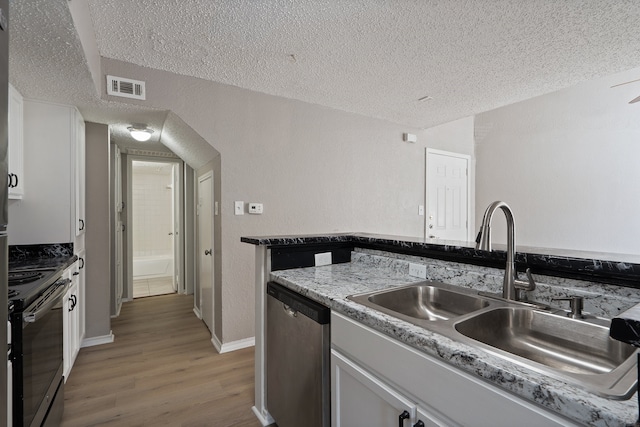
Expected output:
(162, 370)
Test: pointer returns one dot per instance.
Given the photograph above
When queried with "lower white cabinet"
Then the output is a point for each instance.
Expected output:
(71, 321)
(375, 379)
(361, 399)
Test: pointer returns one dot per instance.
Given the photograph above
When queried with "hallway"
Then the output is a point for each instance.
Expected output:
(161, 370)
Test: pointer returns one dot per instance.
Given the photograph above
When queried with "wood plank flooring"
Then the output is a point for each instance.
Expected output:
(162, 370)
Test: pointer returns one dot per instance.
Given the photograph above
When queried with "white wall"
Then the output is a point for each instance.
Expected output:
(97, 279)
(567, 164)
(315, 169)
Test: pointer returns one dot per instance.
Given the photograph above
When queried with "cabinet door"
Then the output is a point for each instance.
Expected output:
(80, 174)
(362, 400)
(16, 157)
(81, 306)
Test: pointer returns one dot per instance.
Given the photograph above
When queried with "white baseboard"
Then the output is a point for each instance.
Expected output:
(233, 345)
(196, 310)
(265, 421)
(104, 339)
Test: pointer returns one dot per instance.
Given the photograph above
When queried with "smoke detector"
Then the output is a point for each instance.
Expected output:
(126, 88)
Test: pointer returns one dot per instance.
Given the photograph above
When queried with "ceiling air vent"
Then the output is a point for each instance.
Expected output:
(127, 88)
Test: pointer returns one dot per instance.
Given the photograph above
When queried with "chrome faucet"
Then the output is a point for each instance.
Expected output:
(511, 283)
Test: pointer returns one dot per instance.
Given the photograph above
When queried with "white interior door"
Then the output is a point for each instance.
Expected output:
(205, 247)
(447, 187)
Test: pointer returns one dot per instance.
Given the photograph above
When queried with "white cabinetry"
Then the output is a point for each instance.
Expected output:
(52, 211)
(79, 174)
(15, 180)
(71, 321)
(375, 379)
(82, 272)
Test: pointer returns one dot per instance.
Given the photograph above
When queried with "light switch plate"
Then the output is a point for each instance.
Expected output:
(238, 208)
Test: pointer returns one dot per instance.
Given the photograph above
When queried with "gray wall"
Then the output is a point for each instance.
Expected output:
(567, 164)
(315, 169)
(97, 237)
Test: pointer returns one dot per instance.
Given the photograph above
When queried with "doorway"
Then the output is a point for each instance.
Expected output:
(155, 227)
(447, 187)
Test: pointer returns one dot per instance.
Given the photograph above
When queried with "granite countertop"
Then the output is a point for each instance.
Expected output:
(330, 285)
(622, 269)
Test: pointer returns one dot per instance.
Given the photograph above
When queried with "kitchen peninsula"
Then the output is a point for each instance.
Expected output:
(495, 389)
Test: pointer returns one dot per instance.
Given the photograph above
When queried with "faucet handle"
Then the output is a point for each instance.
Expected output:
(525, 285)
(576, 304)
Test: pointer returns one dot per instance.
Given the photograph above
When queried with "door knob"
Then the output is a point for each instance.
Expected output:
(207, 251)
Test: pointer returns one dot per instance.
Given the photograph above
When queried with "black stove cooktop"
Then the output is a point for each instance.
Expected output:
(26, 284)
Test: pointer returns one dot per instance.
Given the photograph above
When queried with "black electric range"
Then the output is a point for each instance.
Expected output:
(29, 280)
(25, 286)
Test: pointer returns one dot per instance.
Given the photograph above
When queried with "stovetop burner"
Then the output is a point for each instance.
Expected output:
(21, 277)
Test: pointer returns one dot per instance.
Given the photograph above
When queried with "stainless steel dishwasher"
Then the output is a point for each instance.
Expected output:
(298, 345)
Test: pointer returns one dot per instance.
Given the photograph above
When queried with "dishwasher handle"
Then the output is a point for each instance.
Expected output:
(294, 302)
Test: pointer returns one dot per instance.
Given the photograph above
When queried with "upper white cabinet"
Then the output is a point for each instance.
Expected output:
(80, 174)
(53, 209)
(15, 180)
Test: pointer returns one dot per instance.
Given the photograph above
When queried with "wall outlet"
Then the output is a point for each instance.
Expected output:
(418, 270)
(323, 258)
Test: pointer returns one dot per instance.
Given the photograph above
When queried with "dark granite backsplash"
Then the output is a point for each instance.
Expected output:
(21, 253)
(618, 269)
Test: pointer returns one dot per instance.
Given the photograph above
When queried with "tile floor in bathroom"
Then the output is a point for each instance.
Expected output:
(151, 287)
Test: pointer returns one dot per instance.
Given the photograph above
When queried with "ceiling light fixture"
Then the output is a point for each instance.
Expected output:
(140, 132)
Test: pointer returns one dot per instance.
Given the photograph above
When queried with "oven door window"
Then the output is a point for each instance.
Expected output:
(42, 356)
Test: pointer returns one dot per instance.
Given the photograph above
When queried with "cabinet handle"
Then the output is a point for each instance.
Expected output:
(16, 176)
(81, 263)
(419, 424)
(403, 416)
(81, 224)
(207, 251)
(76, 273)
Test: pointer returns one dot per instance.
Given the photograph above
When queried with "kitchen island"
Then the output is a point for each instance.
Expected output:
(387, 265)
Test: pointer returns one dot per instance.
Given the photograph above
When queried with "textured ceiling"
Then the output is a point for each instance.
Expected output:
(46, 62)
(378, 57)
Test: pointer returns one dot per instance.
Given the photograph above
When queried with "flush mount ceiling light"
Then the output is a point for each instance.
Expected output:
(140, 132)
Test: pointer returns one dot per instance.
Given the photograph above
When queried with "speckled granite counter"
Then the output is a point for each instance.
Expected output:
(331, 285)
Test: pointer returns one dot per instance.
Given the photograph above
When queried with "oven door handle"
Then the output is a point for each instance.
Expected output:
(45, 303)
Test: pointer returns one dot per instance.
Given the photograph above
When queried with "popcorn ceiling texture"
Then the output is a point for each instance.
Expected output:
(378, 58)
(372, 58)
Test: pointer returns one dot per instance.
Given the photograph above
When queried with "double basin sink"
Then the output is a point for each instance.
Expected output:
(538, 337)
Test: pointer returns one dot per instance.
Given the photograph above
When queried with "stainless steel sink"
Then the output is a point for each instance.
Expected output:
(545, 341)
(559, 342)
(423, 302)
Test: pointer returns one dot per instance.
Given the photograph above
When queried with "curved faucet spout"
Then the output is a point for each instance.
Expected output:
(483, 242)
